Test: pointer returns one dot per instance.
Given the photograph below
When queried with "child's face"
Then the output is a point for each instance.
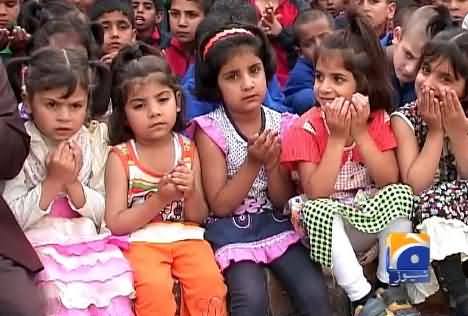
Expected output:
(332, 80)
(458, 8)
(118, 31)
(146, 15)
(334, 7)
(184, 18)
(242, 82)
(151, 109)
(9, 10)
(379, 12)
(58, 117)
(439, 75)
(310, 36)
(406, 54)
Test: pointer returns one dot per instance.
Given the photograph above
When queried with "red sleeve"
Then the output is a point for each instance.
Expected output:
(381, 131)
(299, 145)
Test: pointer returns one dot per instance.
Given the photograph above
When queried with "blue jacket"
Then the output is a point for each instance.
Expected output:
(274, 98)
(299, 90)
(403, 93)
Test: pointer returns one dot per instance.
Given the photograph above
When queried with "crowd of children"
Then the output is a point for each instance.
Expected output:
(148, 142)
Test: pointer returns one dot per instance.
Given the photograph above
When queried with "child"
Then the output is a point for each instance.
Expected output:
(343, 153)
(246, 189)
(13, 38)
(432, 140)
(409, 40)
(224, 12)
(310, 28)
(116, 17)
(458, 8)
(184, 18)
(148, 15)
(380, 14)
(276, 19)
(333, 7)
(18, 260)
(58, 196)
(159, 202)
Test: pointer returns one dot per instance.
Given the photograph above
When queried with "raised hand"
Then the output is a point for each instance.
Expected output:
(167, 190)
(183, 179)
(454, 119)
(429, 109)
(61, 165)
(360, 112)
(260, 145)
(269, 21)
(338, 117)
(19, 38)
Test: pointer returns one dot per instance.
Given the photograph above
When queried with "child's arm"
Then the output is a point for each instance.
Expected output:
(223, 195)
(382, 165)
(24, 201)
(195, 208)
(456, 127)
(119, 218)
(280, 186)
(418, 168)
(318, 180)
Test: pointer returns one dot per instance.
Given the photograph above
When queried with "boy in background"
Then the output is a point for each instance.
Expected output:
(148, 16)
(116, 18)
(184, 18)
(380, 14)
(309, 29)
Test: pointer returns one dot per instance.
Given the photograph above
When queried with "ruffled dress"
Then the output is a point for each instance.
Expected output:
(256, 232)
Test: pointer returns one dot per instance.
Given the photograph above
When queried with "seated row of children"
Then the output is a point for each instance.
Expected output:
(203, 203)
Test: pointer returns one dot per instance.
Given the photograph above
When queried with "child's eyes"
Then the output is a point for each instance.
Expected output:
(192, 15)
(255, 69)
(174, 14)
(163, 99)
(339, 79)
(425, 69)
(232, 76)
(123, 26)
(318, 77)
(77, 106)
(148, 7)
(51, 105)
(137, 106)
(11, 4)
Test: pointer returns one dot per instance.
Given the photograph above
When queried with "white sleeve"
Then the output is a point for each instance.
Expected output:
(94, 205)
(24, 201)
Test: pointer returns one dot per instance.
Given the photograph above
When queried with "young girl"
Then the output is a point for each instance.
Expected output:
(239, 145)
(343, 153)
(58, 196)
(154, 191)
(432, 142)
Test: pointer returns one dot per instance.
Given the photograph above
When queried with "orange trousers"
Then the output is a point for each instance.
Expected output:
(155, 266)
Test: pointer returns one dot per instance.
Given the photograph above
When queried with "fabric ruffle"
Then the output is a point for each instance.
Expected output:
(263, 251)
(87, 276)
(118, 307)
(448, 236)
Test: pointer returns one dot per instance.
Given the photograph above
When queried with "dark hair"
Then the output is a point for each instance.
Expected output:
(451, 45)
(102, 7)
(207, 67)
(309, 16)
(51, 68)
(34, 14)
(234, 11)
(85, 33)
(429, 20)
(403, 11)
(205, 5)
(133, 63)
(364, 57)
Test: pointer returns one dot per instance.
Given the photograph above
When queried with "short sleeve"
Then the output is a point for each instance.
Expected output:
(300, 145)
(382, 133)
(122, 153)
(210, 128)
